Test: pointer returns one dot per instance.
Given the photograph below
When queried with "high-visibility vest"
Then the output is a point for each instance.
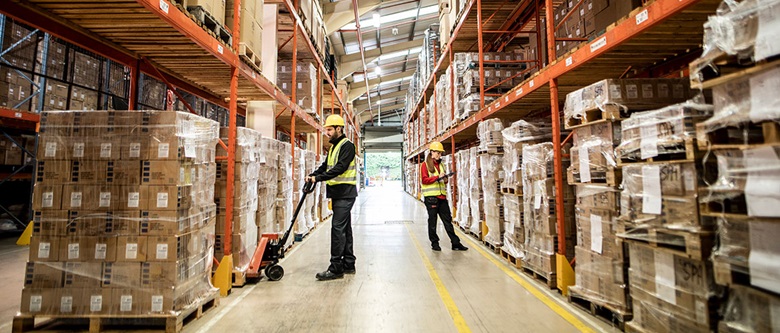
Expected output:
(437, 188)
(349, 177)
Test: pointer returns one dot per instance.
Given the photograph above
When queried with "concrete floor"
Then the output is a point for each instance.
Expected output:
(400, 285)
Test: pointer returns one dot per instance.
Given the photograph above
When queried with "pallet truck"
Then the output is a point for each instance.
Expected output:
(270, 248)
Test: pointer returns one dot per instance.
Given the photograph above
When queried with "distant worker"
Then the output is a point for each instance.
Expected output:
(434, 190)
(339, 173)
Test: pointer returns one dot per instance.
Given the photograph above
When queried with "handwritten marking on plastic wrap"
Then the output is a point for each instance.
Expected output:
(584, 165)
(664, 277)
(648, 144)
(768, 32)
(651, 189)
(763, 180)
(764, 250)
(596, 236)
(764, 100)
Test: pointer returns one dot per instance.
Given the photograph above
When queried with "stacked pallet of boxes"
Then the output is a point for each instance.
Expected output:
(284, 194)
(476, 199)
(245, 197)
(15, 87)
(12, 154)
(490, 150)
(301, 228)
(539, 211)
(312, 217)
(428, 56)
(515, 137)
(267, 186)
(251, 25)
(124, 214)
(310, 12)
(463, 209)
(669, 244)
(305, 80)
(447, 165)
(444, 102)
(499, 78)
(743, 135)
(586, 18)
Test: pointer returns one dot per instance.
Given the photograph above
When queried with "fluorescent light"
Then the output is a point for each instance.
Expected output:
(400, 53)
(378, 71)
(376, 20)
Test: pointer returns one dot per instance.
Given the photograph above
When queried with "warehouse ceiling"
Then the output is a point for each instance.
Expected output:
(391, 43)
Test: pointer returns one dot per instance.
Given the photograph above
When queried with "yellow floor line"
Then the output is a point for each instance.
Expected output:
(568, 316)
(449, 303)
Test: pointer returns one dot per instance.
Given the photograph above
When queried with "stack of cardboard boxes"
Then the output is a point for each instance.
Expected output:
(498, 77)
(476, 198)
(251, 25)
(306, 94)
(124, 214)
(267, 186)
(540, 209)
(586, 18)
(12, 154)
(515, 137)
(216, 8)
(491, 159)
(463, 166)
(310, 12)
(284, 195)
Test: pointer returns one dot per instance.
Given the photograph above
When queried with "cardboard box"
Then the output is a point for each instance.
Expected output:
(88, 172)
(101, 248)
(131, 249)
(53, 172)
(123, 172)
(133, 197)
(169, 197)
(97, 300)
(47, 197)
(90, 124)
(52, 147)
(126, 301)
(164, 274)
(162, 146)
(164, 222)
(136, 147)
(166, 173)
(83, 274)
(75, 248)
(39, 301)
(121, 275)
(43, 275)
(122, 223)
(50, 223)
(44, 248)
(166, 248)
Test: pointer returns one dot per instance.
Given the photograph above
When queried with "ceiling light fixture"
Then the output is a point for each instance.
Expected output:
(378, 71)
(376, 20)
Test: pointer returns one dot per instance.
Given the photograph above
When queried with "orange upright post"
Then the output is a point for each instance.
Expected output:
(481, 56)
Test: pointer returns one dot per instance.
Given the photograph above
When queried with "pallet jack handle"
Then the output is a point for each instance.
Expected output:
(307, 188)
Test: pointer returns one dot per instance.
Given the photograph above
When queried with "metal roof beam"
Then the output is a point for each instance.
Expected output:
(376, 53)
(337, 15)
(357, 92)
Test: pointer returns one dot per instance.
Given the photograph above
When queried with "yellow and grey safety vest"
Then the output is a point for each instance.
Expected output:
(349, 177)
(437, 188)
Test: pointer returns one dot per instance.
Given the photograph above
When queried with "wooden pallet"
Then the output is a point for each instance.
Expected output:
(726, 68)
(492, 247)
(96, 323)
(512, 191)
(491, 150)
(250, 57)
(547, 278)
(685, 243)
(210, 24)
(610, 113)
(601, 310)
(753, 135)
(511, 259)
(239, 278)
(733, 207)
(728, 274)
(690, 153)
(611, 177)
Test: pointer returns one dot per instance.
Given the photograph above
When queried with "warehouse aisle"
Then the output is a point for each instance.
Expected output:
(393, 290)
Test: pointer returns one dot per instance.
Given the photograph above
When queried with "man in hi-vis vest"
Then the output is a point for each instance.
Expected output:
(340, 174)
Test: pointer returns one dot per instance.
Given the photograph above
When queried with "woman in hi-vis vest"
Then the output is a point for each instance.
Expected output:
(434, 189)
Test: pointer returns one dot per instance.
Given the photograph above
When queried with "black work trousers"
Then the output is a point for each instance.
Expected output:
(342, 254)
(440, 208)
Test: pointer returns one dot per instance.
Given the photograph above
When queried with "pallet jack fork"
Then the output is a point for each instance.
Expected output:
(270, 248)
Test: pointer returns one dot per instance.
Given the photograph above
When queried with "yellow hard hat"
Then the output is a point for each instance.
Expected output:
(436, 146)
(334, 120)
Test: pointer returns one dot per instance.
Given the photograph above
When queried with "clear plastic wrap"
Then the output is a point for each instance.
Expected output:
(671, 292)
(476, 199)
(491, 189)
(618, 96)
(514, 228)
(124, 214)
(749, 310)
(666, 131)
(747, 246)
(741, 101)
(489, 134)
(517, 135)
(602, 280)
(463, 213)
(594, 162)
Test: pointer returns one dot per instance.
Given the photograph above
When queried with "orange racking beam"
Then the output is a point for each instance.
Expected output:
(556, 134)
(481, 56)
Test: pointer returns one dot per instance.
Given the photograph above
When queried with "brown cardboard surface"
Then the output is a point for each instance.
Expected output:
(53, 172)
(121, 275)
(47, 197)
(44, 248)
(131, 249)
(83, 274)
(38, 300)
(50, 223)
(43, 275)
(133, 197)
(165, 173)
(164, 222)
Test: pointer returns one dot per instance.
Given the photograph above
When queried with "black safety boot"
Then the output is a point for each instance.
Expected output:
(435, 247)
(349, 270)
(328, 275)
(459, 247)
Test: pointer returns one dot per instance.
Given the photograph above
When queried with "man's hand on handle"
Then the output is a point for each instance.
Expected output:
(311, 179)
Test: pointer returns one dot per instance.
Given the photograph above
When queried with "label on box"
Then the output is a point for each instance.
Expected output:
(648, 144)
(584, 165)
(73, 251)
(100, 251)
(135, 150)
(664, 277)
(44, 248)
(663, 90)
(615, 92)
(162, 251)
(162, 200)
(647, 91)
(761, 186)
(126, 301)
(105, 199)
(764, 104)
(66, 304)
(596, 236)
(189, 151)
(632, 91)
(96, 303)
(75, 199)
(764, 250)
(36, 302)
(690, 180)
(131, 251)
(157, 303)
(48, 199)
(78, 149)
(163, 150)
(51, 149)
(105, 150)
(651, 189)
(768, 32)
(133, 199)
